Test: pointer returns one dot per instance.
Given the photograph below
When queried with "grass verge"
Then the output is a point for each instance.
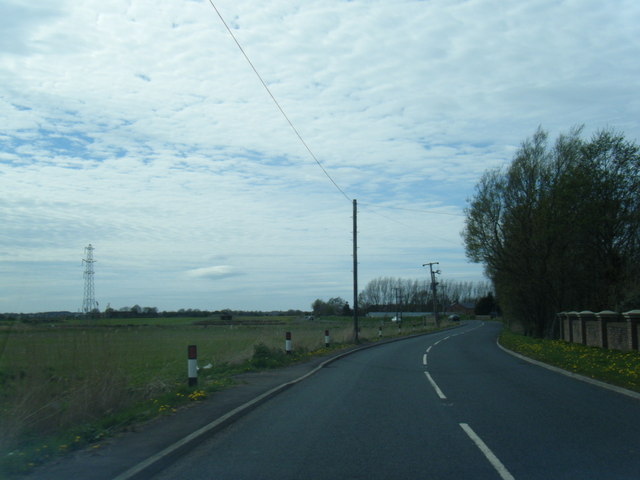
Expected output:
(611, 366)
(63, 389)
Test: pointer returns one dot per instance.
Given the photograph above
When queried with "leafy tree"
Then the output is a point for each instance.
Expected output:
(149, 311)
(334, 306)
(486, 305)
(559, 228)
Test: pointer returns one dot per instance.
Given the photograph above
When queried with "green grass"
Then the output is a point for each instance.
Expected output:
(611, 366)
(65, 386)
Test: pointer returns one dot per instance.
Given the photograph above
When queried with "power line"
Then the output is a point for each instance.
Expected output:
(276, 102)
(368, 206)
(419, 210)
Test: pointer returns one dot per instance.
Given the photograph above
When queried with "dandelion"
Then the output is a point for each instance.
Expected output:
(197, 395)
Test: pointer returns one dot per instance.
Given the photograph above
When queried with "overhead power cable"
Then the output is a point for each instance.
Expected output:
(295, 130)
(419, 210)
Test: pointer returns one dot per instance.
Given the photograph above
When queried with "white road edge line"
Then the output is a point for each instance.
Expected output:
(424, 359)
(139, 468)
(435, 387)
(582, 378)
(497, 464)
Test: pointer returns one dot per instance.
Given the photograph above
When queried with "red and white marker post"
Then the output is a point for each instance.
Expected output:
(287, 342)
(192, 365)
(327, 338)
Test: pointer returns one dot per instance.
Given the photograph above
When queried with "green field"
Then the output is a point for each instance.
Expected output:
(65, 385)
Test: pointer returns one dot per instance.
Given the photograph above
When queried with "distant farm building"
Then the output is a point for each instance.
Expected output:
(463, 308)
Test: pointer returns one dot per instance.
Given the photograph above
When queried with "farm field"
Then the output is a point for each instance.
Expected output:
(65, 385)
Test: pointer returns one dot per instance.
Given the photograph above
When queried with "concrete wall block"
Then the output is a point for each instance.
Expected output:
(617, 335)
(593, 334)
(574, 326)
(585, 316)
(632, 318)
(606, 317)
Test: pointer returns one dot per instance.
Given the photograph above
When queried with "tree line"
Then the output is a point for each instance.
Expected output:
(558, 228)
(389, 294)
(152, 312)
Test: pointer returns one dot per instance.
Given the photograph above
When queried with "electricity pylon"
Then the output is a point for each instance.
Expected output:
(89, 303)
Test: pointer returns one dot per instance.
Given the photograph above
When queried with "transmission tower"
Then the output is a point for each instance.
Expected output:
(89, 303)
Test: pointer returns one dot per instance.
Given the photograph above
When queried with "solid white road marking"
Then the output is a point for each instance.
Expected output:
(497, 464)
(435, 387)
(429, 349)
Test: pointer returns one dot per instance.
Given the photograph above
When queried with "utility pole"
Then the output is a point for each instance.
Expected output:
(398, 308)
(355, 271)
(434, 284)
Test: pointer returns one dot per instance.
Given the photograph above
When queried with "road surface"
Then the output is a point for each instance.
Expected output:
(446, 406)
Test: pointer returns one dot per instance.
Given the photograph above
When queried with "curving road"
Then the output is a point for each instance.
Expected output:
(450, 405)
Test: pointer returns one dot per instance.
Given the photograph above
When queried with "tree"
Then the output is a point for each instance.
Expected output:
(335, 306)
(559, 227)
(149, 311)
(486, 305)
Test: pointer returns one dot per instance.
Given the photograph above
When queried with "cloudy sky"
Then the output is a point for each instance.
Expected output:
(140, 128)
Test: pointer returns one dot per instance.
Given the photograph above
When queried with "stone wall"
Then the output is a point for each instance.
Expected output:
(605, 329)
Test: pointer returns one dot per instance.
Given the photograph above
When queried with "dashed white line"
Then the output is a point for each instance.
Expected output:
(435, 387)
(486, 451)
(425, 356)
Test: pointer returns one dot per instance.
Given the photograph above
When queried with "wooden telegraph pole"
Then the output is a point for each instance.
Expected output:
(355, 270)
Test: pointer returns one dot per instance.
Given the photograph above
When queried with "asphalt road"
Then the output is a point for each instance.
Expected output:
(445, 406)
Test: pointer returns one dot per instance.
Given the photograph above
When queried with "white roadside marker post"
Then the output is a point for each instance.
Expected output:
(287, 342)
(327, 338)
(379, 332)
(192, 365)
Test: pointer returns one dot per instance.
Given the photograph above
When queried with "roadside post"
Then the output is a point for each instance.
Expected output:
(327, 338)
(192, 365)
(379, 332)
(287, 343)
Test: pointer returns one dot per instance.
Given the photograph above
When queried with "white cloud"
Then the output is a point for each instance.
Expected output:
(216, 271)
